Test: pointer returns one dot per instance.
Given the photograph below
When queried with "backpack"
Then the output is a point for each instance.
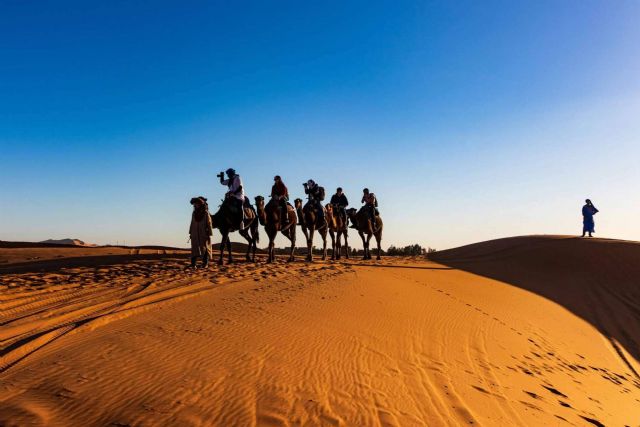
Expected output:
(321, 193)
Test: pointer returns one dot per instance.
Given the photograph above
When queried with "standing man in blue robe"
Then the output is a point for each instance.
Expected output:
(588, 211)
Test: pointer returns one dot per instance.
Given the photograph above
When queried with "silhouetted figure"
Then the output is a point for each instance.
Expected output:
(588, 211)
(340, 203)
(280, 192)
(316, 195)
(235, 195)
(200, 232)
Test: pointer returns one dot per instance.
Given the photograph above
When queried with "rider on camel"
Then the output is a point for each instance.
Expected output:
(235, 195)
(280, 193)
(315, 196)
(339, 200)
(370, 204)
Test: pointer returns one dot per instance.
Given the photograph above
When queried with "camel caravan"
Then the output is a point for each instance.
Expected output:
(277, 215)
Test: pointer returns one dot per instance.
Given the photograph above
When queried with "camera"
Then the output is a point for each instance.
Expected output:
(220, 175)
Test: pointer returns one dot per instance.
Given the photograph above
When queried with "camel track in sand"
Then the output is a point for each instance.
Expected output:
(37, 308)
(397, 342)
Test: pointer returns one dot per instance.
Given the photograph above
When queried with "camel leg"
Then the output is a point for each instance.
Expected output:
(305, 232)
(378, 241)
(346, 244)
(254, 243)
(338, 250)
(272, 240)
(292, 237)
(310, 245)
(368, 250)
(255, 237)
(244, 233)
(222, 243)
(271, 249)
(255, 246)
(323, 233)
(333, 244)
(272, 244)
(364, 245)
(230, 260)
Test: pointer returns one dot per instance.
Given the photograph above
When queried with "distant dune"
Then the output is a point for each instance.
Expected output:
(74, 242)
(527, 331)
(20, 257)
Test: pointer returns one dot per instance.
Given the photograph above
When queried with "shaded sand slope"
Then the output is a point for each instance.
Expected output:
(596, 279)
(401, 342)
(28, 257)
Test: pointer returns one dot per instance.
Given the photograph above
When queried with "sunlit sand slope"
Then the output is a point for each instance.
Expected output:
(402, 342)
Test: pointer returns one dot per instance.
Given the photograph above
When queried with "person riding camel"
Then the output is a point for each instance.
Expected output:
(235, 195)
(280, 193)
(339, 200)
(315, 193)
(200, 232)
(370, 204)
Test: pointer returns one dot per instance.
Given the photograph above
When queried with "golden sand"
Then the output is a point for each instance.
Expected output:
(525, 331)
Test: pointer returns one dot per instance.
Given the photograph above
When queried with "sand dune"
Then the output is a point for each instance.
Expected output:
(598, 280)
(486, 336)
(68, 241)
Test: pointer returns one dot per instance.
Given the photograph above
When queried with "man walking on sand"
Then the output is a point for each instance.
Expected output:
(200, 232)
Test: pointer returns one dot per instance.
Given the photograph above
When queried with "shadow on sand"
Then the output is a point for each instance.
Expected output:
(83, 261)
(365, 264)
(597, 280)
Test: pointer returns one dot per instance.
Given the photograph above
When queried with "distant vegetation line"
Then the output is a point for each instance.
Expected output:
(409, 250)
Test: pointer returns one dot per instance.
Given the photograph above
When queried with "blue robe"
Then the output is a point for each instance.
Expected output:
(588, 225)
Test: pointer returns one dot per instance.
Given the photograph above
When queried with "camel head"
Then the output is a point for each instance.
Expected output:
(260, 209)
(351, 212)
(259, 202)
(297, 203)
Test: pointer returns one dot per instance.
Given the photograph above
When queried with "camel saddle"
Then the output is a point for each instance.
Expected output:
(249, 213)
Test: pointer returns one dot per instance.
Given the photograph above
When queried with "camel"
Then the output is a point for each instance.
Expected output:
(269, 217)
(224, 220)
(364, 226)
(310, 222)
(338, 227)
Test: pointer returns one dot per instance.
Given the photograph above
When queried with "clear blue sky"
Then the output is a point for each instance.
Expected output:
(470, 120)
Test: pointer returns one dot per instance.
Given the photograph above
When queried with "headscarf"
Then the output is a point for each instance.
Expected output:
(201, 210)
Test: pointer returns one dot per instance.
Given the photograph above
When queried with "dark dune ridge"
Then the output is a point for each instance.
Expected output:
(596, 279)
